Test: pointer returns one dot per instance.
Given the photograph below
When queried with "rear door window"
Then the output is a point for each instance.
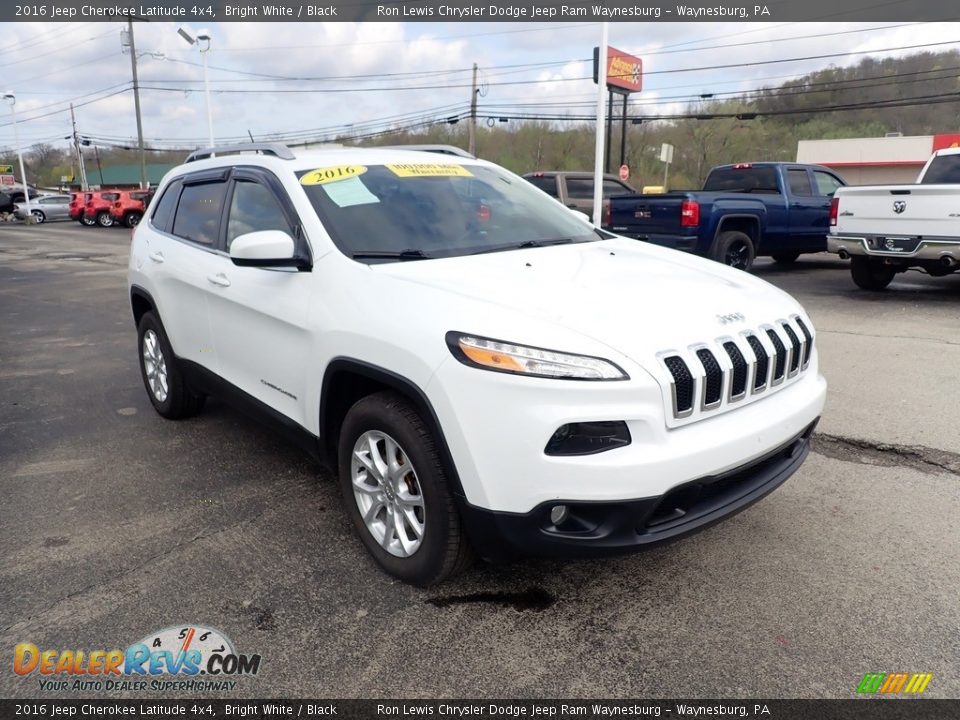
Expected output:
(198, 214)
(580, 188)
(799, 182)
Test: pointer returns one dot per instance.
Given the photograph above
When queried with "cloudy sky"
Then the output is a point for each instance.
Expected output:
(319, 79)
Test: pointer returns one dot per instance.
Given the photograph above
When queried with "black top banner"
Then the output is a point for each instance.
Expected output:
(479, 11)
(863, 709)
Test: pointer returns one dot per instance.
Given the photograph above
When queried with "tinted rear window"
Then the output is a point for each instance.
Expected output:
(198, 213)
(164, 210)
(943, 169)
(748, 180)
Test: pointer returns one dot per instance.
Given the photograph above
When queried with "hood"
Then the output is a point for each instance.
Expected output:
(633, 297)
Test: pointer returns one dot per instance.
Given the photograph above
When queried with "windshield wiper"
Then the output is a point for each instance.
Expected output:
(524, 245)
(411, 254)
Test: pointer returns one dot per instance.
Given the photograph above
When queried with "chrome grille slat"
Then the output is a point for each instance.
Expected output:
(707, 377)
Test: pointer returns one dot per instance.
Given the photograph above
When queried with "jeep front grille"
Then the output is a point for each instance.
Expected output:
(715, 376)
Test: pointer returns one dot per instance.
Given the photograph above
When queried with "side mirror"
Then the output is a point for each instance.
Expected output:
(264, 248)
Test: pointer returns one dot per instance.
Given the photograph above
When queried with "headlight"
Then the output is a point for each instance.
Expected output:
(524, 360)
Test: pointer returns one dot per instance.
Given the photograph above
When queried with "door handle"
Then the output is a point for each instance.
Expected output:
(157, 257)
(219, 279)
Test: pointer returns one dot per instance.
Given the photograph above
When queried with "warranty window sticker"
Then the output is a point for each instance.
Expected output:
(428, 170)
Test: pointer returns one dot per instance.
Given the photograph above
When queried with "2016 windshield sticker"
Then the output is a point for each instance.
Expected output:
(322, 176)
(429, 170)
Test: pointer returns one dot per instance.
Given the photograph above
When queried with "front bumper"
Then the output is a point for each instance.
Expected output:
(899, 247)
(603, 528)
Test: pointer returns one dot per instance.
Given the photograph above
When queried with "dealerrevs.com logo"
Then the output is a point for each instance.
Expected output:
(180, 657)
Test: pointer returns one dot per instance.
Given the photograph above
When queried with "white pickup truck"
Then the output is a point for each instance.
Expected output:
(887, 229)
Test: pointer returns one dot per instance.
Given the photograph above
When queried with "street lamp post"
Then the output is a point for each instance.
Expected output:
(201, 37)
(16, 138)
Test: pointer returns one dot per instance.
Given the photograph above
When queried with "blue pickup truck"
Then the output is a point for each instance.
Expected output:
(744, 210)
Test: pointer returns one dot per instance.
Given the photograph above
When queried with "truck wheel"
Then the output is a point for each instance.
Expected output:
(786, 258)
(735, 249)
(395, 491)
(870, 274)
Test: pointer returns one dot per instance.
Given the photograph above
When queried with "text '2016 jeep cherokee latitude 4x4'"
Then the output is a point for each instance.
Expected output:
(483, 368)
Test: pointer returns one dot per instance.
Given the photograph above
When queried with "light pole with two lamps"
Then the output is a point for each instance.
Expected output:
(195, 39)
(16, 138)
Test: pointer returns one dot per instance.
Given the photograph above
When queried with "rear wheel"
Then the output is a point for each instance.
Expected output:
(786, 258)
(166, 387)
(104, 219)
(735, 249)
(869, 273)
(132, 219)
(395, 490)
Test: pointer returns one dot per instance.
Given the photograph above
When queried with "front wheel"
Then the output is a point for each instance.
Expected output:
(132, 219)
(104, 219)
(87, 221)
(38, 216)
(870, 274)
(395, 490)
(735, 249)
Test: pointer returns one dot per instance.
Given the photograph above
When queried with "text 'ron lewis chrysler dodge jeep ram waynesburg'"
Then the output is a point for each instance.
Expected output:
(488, 372)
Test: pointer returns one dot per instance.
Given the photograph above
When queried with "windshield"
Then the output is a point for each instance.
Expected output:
(387, 213)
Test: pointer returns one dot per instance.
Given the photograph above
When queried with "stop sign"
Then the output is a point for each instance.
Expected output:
(624, 173)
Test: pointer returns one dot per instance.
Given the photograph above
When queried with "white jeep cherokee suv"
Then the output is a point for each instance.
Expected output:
(484, 369)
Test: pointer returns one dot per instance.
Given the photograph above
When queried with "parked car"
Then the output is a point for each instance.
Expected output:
(128, 208)
(575, 189)
(45, 207)
(888, 229)
(8, 199)
(483, 367)
(744, 210)
(96, 211)
(77, 202)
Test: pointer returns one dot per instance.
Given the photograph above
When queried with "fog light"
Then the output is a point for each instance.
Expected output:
(587, 438)
(559, 514)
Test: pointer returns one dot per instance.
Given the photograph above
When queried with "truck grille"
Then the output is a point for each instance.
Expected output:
(716, 376)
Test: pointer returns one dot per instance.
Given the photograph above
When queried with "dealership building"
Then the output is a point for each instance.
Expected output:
(875, 161)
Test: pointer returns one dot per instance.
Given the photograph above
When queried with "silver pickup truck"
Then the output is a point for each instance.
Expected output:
(887, 229)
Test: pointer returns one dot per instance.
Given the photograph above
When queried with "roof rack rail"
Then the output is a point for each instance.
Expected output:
(442, 149)
(276, 149)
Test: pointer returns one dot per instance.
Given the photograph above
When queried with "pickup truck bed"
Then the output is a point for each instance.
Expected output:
(888, 229)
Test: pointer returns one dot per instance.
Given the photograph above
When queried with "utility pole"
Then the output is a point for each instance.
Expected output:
(136, 103)
(473, 113)
(76, 145)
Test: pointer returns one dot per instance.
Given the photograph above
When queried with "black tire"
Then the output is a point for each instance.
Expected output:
(179, 401)
(734, 249)
(132, 219)
(87, 221)
(38, 216)
(444, 550)
(786, 258)
(870, 274)
(104, 219)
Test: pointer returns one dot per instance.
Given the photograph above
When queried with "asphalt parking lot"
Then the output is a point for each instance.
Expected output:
(117, 523)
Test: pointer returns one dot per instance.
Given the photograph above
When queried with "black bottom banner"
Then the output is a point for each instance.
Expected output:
(855, 709)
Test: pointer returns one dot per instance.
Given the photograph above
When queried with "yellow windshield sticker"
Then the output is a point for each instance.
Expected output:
(322, 176)
(429, 170)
